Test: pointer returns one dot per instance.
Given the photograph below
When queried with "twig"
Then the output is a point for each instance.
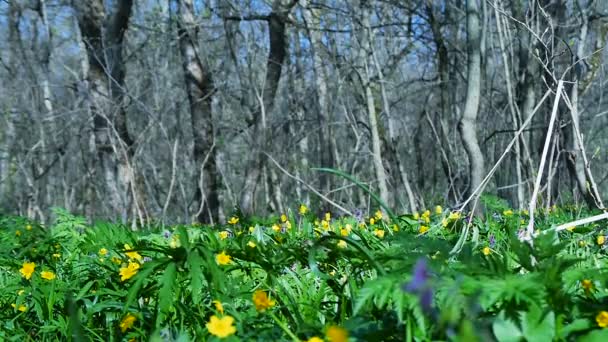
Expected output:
(344, 210)
(172, 184)
(539, 175)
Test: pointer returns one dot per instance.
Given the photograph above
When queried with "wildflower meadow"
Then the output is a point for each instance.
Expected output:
(301, 276)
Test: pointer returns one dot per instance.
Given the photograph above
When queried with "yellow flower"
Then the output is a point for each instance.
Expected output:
(251, 244)
(28, 227)
(48, 275)
(116, 260)
(303, 209)
(223, 258)
(342, 244)
(315, 339)
(56, 255)
(221, 327)
(261, 300)
(127, 322)
(21, 307)
(438, 210)
(103, 251)
(224, 234)
(18, 232)
(378, 215)
(444, 223)
(571, 228)
(174, 243)
(507, 213)
(423, 229)
(454, 215)
(128, 272)
(372, 221)
(379, 233)
(27, 270)
(218, 306)
(20, 292)
(416, 216)
(233, 220)
(276, 228)
(601, 239)
(327, 217)
(288, 225)
(426, 213)
(344, 232)
(602, 319)
(251, 230)
(325, 224)
(336, 334)
(395, 228)
(587, 285)
(283, 218)
(486, 251)
(132, 255)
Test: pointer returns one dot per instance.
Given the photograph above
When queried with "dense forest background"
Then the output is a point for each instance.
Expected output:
(182, 110)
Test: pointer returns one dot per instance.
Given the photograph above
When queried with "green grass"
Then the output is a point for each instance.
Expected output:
(322, 275)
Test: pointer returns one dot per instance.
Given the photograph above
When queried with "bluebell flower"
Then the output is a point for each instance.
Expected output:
(359, 215)
(492, 240)
(421, 286)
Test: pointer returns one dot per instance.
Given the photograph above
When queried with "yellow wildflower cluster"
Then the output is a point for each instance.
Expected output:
(223, 258)
(602, 319)
(127, 322)
(127, 272)
(27, 270)
(262, 301)
(221, 327)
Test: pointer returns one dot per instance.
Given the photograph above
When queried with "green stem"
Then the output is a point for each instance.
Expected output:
(284, 327)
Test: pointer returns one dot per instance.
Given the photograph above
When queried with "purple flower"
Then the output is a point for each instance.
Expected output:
(147, 259)
(166, 234)
(359, 215)
(492, 240)
(421, 286)
(420, 277)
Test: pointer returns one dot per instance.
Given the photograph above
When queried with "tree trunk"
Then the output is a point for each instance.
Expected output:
(103, 37)
(325, 148)
(467, 125)
(200, 89)
(371, 109)
(274, 67)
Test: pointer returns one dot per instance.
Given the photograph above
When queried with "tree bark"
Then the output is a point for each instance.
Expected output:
(103, 37)
(467, 125)
(278, 50)
(200, 89)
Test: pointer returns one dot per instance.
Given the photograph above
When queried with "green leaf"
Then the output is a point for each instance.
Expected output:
(195, 263)
(577, 325)
(506, 331)
(139, 282)
(595, 336)
(166, 291)
(538, 326)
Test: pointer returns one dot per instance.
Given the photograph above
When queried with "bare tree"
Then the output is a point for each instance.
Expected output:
(200, 89)
(467, 125)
